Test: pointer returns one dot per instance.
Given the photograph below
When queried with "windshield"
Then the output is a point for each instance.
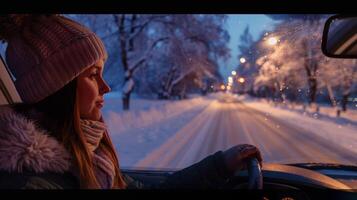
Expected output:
(186, 86)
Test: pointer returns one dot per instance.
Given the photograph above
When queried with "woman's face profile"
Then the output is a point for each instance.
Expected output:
(90, 90)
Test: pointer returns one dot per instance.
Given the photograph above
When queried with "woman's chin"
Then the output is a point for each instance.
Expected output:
(93, 116)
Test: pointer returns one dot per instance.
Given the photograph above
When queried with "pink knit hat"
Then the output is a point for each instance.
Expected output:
(47, 52)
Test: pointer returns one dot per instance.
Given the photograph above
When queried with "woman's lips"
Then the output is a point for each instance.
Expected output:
(100, 104)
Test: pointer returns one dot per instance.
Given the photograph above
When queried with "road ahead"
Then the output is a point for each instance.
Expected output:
(226, 122)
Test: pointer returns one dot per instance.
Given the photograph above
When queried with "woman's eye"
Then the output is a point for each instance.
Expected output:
(93, 75)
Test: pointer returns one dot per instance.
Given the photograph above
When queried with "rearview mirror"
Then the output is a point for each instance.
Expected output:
(339, 38)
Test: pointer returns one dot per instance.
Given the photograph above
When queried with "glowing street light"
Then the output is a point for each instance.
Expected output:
(223, 87)
(234, 73)
(230, 79)
(273, 41)
(242, 60)
(241, 80)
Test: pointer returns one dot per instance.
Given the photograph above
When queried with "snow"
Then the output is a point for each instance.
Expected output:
(326, 112)
(168, 134)
(128, 86)
(145, 112)
(147, 125)
(338, 130)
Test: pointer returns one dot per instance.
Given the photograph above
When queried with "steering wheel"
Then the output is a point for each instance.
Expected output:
(255, 180)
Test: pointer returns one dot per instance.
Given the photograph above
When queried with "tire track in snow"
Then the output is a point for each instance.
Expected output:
(272, 142)
(174, 150)
(135, 143)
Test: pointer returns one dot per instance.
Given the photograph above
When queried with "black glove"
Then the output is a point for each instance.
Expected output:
(237, 156)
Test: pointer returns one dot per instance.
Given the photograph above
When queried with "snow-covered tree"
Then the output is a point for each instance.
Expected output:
(305, 36)
(280, 70)
(250, 52)
(297, 62)
(338, 76)
(135, 47)
(187, 44)
(189, 58)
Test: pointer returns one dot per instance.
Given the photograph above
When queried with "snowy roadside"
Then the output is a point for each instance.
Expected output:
(325, 112)
(149, 123)
(144, 113)
(336, 130)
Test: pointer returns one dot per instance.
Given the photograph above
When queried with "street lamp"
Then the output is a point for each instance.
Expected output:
(230, 79)
(241, 80)
(234, 73)
(223, 87)
(273, 41)
(242, 60)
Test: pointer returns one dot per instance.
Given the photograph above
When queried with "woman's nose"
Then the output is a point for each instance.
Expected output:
(104, 87)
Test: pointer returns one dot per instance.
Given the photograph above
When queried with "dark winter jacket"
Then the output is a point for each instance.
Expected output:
(31, 159)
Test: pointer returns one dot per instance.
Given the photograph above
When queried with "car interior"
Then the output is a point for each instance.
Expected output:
(295, 181)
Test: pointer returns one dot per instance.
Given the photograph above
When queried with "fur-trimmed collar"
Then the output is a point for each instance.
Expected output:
(26, 147)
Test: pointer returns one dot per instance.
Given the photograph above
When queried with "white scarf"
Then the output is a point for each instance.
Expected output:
(103, 165)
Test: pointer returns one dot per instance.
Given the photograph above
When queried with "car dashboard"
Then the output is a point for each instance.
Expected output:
(283, 182)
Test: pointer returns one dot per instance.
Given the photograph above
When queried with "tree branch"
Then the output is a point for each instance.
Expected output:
(143, 58)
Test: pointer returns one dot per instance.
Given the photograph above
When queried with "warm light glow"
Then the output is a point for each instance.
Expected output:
(234, 73)
(241, 80)
(223, 87)
(242, 60)
(272, 41)
(228, 87)
(230, 79)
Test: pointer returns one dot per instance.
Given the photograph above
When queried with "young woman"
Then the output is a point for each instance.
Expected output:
(57, 137)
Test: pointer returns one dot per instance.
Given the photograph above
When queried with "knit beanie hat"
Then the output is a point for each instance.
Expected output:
(45, 52)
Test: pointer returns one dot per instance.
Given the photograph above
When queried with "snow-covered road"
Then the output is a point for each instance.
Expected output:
(227, 121)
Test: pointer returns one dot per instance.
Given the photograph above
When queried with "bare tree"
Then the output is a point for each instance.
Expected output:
(132, 29)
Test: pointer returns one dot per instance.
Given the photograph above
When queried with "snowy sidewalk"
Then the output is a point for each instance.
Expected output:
(338, 131)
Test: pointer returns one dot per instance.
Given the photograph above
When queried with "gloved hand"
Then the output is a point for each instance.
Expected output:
(237, 157)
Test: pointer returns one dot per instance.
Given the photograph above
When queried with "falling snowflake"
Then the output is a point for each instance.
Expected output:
(315, 115)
